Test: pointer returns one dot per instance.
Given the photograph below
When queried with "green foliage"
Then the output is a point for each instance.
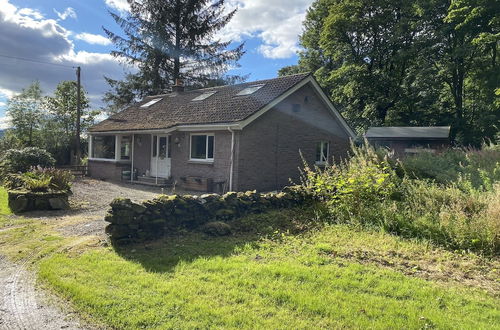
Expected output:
(478, 167)
(47, 122)
(176, 41)
(26, 113)
(388, 62)
(452, 199)
(36, 182)
(21, 160)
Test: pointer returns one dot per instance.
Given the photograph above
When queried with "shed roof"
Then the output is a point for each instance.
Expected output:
(181, 108)
(434, 132)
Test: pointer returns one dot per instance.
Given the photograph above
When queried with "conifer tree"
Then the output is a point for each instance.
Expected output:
(168, 40)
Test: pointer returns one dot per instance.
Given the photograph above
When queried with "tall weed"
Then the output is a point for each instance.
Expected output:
(454, 203)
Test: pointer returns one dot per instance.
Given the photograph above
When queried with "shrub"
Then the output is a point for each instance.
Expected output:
(20, 161)
(36, 182)
(59, 179)
(479, 168)
(39, 179)
(456, 206)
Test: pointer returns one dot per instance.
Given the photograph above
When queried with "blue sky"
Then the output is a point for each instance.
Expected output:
(69, 33)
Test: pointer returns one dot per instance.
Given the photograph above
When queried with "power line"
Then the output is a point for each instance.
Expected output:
(36, 61)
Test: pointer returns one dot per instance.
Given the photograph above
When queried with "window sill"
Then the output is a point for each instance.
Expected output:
(109, 160)
(320, 163)
(201, 161)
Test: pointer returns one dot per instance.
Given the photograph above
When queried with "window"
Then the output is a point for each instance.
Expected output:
(202, 147)
(150, 103)
(250, 90)
(125, 147)
(322, 152)
(103, 146)
(204, 96)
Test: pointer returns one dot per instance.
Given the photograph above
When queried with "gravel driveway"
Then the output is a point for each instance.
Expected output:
(22, 305)
(90, 202)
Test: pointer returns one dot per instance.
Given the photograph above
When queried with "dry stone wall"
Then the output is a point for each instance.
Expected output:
(134, 222)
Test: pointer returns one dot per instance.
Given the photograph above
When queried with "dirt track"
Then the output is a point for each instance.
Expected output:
(22, 304)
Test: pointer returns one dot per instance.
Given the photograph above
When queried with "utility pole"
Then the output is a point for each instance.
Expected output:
(78, 115)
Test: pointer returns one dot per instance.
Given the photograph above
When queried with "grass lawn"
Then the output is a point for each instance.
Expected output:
(4, 207)
(278, 272)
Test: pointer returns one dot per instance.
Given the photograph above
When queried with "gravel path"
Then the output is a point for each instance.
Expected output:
(22, 304)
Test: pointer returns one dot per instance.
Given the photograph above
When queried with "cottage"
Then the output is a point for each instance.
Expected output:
(410, 140)
(237, 137)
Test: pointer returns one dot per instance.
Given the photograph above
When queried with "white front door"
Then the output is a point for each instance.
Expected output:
(160, 156)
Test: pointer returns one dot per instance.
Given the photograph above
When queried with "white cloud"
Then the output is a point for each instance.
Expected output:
(277, 23)
(120, 5)
(94, 39)
(45, 40)
(5, 122)
(31, 12)
(68, 12)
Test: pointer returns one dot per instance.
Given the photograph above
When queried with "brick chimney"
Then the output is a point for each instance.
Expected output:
(179, 86)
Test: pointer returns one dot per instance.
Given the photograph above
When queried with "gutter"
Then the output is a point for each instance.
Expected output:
(231, 159)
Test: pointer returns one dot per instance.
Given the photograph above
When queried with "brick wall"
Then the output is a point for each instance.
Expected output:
(218, 170)
(269, 153)
(99, 169)
(142, 153)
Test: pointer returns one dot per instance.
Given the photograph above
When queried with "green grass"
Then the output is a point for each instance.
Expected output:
(4, 207)
(280, 271)
(293, 283)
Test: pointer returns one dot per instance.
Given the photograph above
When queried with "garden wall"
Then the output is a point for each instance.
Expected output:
(133, 222)
(23, 201)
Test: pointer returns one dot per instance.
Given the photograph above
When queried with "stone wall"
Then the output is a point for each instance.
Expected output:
(133, 222)
(23, 201)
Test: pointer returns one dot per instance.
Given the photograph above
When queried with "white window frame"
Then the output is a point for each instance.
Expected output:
(206, 160)
(118, 140)
(322, 144)
(91, 145)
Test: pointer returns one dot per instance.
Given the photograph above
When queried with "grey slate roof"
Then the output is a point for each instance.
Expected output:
(179, 108)
(435, 132)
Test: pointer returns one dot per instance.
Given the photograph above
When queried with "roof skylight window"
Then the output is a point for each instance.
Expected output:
(204, 96)
(150, 103)
(250, 90)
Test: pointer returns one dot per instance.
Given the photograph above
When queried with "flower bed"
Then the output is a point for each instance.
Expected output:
(133, 222)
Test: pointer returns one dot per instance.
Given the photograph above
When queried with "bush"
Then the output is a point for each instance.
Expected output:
(36, 182)
(479, 168)
(20, 161)
(60, 180)
(452, 199)
(39, 179)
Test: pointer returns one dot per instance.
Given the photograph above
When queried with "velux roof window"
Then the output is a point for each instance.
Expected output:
(204, 96)
(150, 103)
(250, 90)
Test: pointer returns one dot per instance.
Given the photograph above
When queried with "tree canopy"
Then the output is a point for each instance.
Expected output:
(47, 122)
(423, 62)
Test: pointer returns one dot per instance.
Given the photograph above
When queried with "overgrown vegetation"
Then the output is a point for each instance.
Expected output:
(22, 160)
(451, 199)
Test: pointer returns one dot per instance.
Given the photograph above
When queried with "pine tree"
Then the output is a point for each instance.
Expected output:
(168, 40)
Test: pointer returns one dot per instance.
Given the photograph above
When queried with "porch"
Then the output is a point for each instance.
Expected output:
(164, 159)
